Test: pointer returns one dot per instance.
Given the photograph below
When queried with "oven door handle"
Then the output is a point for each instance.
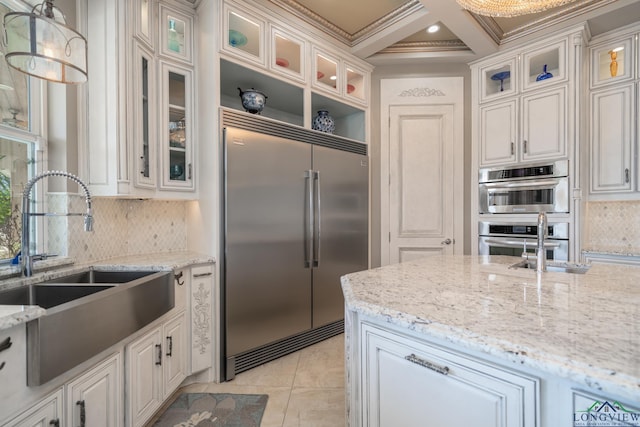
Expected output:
(546, 183)
(520, 243)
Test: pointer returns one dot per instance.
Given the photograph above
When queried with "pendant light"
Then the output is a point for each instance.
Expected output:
(509, 8)
(42, 45)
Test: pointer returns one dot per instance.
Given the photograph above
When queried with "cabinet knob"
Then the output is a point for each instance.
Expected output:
(626, 175)
(169, 346)
(159, 348)
(524, 148)
(5, 344)
(54, 423)
(446, 241)
(190, 168)
(512, 148)
(83, 414)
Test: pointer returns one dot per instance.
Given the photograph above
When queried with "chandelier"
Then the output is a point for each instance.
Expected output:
(507, 8)
(41, 44)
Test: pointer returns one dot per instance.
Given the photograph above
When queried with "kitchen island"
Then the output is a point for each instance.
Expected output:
(466, 340)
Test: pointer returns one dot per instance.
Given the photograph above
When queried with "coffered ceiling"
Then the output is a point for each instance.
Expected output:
(393, 31)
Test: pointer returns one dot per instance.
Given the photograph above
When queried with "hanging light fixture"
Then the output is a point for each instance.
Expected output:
(508, 8)
(42, 45)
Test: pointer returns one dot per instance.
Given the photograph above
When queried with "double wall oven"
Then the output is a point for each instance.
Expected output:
(509, 200)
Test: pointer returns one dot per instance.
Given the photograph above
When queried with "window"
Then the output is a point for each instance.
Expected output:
(19, 133)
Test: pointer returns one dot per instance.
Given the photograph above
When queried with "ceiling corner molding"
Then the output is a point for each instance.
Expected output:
(490, 26)
(389, 19)
(314, 19)
(424, 46)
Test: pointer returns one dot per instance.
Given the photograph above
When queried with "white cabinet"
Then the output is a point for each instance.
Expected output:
(46, 413)
(128, 125)
(155, 366)
(95, 398)
(406, 381)
(613, 118)
(201, 321)
(524, 104)
(612, 130)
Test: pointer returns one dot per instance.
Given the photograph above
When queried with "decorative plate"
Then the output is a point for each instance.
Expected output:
(236, 38)
(501, 75)
(282, 62)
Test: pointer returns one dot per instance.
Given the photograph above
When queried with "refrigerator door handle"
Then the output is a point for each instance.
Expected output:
(308, 218)
(316, 220)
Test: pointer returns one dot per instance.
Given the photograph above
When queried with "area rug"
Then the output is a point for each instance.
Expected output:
(214, 409)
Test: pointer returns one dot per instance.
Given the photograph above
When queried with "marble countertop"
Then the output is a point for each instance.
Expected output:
(12, 315)
(585, 328)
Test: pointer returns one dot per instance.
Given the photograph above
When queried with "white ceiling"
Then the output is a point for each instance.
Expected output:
(393, 31)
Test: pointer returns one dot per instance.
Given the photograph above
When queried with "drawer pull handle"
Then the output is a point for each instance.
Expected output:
(169, 346)
(159, 348)
(5, 344)
(83, 414)
(54, 423)
(202, 274)
(444, 370)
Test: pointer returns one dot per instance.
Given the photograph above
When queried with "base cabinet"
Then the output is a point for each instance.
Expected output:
(48, 412)
(94, 398)
(406, 382)
(201, 322)
(155, 367)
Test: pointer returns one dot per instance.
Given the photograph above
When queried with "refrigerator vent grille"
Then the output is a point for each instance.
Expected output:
(267, 126)
(270, 352)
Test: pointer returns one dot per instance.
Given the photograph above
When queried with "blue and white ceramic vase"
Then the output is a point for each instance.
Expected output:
(323, 122)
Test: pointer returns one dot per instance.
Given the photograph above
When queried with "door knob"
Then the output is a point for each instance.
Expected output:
(446, 241)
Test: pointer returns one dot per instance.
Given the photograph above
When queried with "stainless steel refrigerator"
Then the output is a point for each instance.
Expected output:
(295, 220)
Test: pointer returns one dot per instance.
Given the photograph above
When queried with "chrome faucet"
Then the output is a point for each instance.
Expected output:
(541, 253)
(27, 258)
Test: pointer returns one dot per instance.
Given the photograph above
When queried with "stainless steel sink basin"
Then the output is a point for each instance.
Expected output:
(555, 266)
(47, 296)
(89, 313)
(100, 276)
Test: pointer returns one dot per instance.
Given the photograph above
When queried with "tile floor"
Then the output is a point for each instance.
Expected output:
(305, 388)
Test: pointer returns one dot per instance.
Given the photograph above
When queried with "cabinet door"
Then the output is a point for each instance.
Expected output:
(46, 413)
(93, 399)
(175, 354)
(498, 80)
(176, 31)
(612, 62)
(144, 377)
(243, 35)
(177, 129)
(612, 136)
(201, 326)
(544, 125)
(143, 14)
(406, 382)
(144, 113)
(498, 133)
(545, 66)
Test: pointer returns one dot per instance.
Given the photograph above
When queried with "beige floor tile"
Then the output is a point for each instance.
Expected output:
(322, 365)
(316, 408)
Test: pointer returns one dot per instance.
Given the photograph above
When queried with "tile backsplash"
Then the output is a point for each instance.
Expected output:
(612, 226)
(121, 227)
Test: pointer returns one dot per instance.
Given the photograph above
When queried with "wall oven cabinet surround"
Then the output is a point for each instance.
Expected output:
(515, 238)
(525, 189)
(127, 150)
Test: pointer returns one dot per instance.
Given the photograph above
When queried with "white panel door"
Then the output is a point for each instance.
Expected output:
(175, 354)
(144, 377)
(421, 167)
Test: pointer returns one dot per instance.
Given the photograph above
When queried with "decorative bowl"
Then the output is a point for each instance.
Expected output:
(253, 100)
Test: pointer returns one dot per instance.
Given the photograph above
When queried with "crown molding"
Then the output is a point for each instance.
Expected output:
(430, 46)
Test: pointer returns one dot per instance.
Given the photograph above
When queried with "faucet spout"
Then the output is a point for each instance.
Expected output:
(27, 258)
(541, 253)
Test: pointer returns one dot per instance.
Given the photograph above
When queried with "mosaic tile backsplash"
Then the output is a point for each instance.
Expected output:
(121, 227)
(613, 227)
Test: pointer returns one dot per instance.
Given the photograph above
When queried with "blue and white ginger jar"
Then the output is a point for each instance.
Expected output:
(323, 122)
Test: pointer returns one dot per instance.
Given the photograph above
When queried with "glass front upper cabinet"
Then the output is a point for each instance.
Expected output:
(355, 84)
(177, 165)
(243, 35)
(144, 111)
(611, 62)
(176, 34)
(326, 74)
(545, 66)
(287, 54)
(498, 80)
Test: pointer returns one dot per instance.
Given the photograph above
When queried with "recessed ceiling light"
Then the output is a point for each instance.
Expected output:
(333, 77)
(618, 49)
(433, 28)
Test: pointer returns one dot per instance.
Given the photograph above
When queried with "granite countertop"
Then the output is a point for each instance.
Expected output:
(585, 328)
(12, 315)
